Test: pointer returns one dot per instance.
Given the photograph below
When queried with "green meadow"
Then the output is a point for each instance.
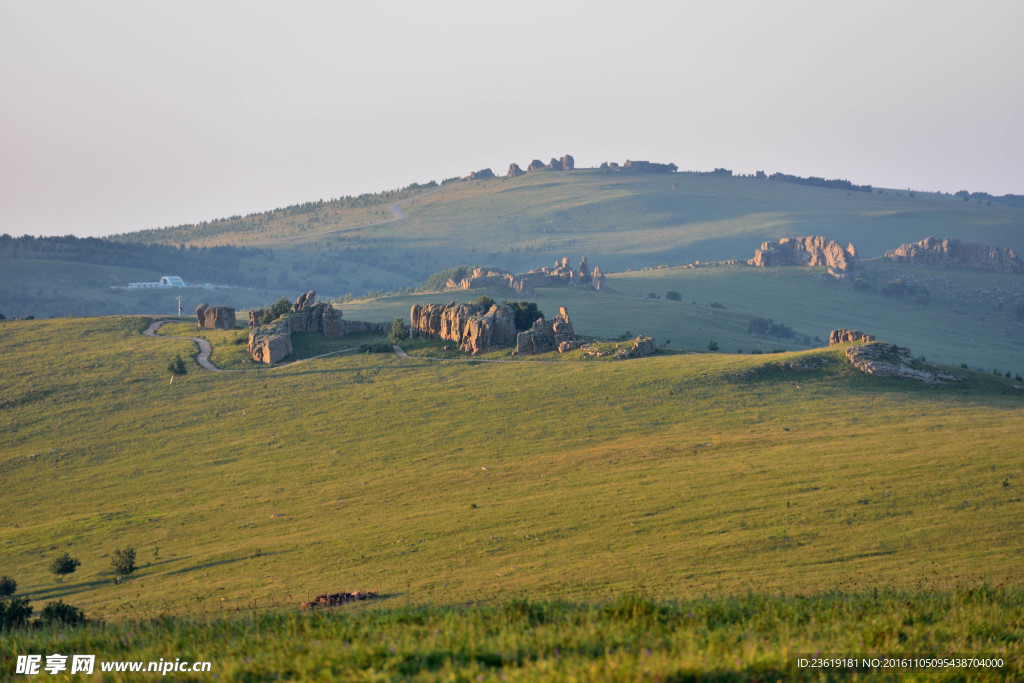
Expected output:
(697, 481)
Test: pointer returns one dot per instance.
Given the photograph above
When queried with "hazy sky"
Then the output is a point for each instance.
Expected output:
(116, 116)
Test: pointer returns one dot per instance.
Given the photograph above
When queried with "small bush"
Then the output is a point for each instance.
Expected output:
(716, 304)
(673, 296)
(14, 613)
(486, 301)
(379, 347)
(60, 613)
(64, 565)
(652, 295)
(177, 366)
(712, 345)
(861, 284)
(8, 586)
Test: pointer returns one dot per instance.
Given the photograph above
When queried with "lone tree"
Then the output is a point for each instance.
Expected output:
(123, 562)
(63, 565)
(399, 331)
(177, 367)
(7, 586)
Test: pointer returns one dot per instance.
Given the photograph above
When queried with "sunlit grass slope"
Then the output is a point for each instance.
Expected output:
(683, 476)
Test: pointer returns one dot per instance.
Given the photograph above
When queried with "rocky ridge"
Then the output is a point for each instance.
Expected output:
(952, 252)
(526, 283)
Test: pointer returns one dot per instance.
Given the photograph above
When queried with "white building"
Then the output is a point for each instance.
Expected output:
(165, 281)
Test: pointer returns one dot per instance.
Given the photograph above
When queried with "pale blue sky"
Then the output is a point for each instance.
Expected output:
(118, 116)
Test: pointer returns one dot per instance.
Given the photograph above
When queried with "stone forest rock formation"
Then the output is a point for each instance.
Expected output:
(526, 283)
(215, 317)
(481, 174)
(808, 251)
(847, 336)
(475, 329)
(953, 252)
(270, 343)
(514, 171)
(548, 335)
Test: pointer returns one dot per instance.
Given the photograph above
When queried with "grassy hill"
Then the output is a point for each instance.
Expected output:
(700, 478)
(447, 482)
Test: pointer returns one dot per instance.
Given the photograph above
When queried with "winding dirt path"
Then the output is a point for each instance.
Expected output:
(204, 346)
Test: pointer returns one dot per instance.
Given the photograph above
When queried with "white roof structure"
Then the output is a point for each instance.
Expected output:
(172, 281)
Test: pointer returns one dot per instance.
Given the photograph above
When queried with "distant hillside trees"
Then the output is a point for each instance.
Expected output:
(901, 289)
(439, 280)
(836, 184)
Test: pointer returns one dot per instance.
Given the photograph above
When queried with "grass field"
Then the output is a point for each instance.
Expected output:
(972, 316)
(700, 478)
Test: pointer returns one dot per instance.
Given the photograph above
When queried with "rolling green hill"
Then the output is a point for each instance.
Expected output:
(688, 475)
(503, 510)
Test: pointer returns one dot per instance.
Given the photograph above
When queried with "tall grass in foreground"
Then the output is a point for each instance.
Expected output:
(756, 638)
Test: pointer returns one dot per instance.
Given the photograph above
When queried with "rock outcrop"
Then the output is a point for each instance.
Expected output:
(270, 343)
(642, 346)
(568, 163)
(475, 329)
(535, 165)
(808, 251)
(847, 336)
(881, 359)
(481, 174)
(548, 335)
(953, 252)
(514, 171)
(215, 317)
(526, 283)
(555, 164)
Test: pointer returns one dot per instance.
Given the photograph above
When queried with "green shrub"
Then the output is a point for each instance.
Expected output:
(7, 586)
(123, 561)
(399, 331)
(486, 301)
(712, 345)
(673, 296)
(526, 312)
(60, 613)
(379, 347)
(438, 281)
(65, 564)
(14, 613)
(716, 304)
(177, 367)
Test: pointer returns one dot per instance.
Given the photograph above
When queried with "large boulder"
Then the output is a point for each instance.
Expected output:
(568, 163)
(514, 171)
(953, 252)
(270, 344)
(535, 165)
(215, 317)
